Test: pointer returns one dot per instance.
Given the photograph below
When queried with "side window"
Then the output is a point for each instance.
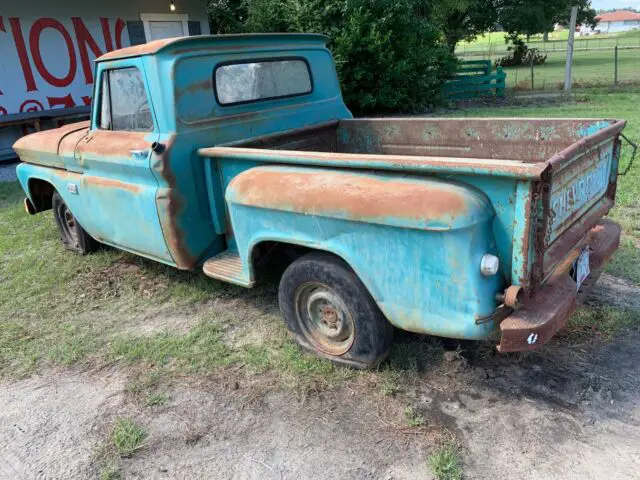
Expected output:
(124, 104)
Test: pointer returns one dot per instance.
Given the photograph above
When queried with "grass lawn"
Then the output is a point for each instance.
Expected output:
(590, 68)
(112, 307)
(494, 42)
(593, 61)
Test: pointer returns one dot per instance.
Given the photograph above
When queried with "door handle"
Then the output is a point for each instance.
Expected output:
(139, 153)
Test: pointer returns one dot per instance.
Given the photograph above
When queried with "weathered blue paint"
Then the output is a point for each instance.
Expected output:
(593, 128)
(443, 296)
(180, 202)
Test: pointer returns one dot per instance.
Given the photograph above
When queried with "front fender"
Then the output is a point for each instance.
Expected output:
(415, 242)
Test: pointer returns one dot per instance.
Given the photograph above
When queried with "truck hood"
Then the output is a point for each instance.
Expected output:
(49, 147)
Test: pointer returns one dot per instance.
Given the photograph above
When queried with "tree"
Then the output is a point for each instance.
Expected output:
(226, 16)
(530, 17)
(586, 14)
(464, 19)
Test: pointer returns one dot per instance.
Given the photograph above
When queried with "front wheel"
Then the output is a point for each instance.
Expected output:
(330, 312)
(73, 236)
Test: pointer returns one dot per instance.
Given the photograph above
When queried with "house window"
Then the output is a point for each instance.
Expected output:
(261, 80)
(123, 101)
(157, 25)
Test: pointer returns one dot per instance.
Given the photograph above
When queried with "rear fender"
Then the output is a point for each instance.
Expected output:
(415, 242)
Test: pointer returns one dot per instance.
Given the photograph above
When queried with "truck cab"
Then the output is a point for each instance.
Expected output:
(215, 152)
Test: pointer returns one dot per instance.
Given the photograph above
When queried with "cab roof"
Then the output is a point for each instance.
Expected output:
(223, 42)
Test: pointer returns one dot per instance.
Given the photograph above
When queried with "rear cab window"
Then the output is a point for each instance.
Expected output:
(260, 80)
(124, 105)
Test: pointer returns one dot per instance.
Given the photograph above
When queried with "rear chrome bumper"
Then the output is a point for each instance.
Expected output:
(532, 325)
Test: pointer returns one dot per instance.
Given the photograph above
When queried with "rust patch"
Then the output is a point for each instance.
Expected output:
(526, 140)
(155, 46)
(548, 310)
(106, 143)
(573, 236)
(109, 183)
(142, 49)
(362, 197)
(538, 320)
(30, 147)
(204, 85)
(382, 162)
(170, 204)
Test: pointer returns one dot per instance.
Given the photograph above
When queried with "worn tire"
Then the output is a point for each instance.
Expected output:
(330, 312)
(73, 236)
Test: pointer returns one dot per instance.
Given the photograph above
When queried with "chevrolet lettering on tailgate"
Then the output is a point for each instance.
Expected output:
(575, 188)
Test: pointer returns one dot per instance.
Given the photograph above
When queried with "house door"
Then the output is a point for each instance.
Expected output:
(158, 30)
(158, 26)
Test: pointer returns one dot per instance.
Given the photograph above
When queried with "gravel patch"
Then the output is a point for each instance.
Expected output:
(8, 172)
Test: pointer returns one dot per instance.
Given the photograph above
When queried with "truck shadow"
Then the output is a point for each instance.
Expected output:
(574, 378)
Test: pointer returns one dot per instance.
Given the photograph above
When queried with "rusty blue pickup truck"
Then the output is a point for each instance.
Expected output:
(235, 154)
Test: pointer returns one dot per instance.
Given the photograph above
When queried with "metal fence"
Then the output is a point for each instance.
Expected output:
(595, 63)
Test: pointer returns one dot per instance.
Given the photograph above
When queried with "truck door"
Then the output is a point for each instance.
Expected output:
(117, 183)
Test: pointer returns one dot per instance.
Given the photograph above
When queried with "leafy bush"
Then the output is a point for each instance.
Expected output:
(520, 54)
(389, 56)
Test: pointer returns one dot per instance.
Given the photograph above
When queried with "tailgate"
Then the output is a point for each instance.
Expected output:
(579, 189)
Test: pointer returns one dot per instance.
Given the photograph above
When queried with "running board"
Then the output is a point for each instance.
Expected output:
(227, 266)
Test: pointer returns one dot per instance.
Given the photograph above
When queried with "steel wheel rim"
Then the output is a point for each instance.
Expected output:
(68, 223)
(324, 318)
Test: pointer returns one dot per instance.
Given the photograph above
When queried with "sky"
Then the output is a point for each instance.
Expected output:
(607, 4)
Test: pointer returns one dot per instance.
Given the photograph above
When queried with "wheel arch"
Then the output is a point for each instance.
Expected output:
(254, 256)
(40, 193)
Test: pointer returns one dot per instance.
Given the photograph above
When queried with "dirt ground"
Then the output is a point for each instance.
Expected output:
(568, 411)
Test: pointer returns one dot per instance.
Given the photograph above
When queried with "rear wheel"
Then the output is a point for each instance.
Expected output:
(330, 312)
(73, 236)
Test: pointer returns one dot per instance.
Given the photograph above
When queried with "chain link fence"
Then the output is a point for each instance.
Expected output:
(596, 62)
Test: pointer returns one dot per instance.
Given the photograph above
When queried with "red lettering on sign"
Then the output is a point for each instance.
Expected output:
(66, 101)
(34, 45)
(106, 33)
(18, 39)
(84, 38)
(120, 24)
(31, 106)
(86, 100)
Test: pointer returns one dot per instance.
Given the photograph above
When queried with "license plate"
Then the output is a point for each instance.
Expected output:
(582, 267)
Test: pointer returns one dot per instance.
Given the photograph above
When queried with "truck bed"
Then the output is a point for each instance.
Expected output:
(549, 180)
(525, 140)
(510, 147)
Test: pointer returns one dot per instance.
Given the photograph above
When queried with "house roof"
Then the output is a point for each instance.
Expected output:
(618, 16)
(199, 42)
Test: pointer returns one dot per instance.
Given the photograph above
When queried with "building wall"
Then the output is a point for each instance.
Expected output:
(613, 27)
(48, 47)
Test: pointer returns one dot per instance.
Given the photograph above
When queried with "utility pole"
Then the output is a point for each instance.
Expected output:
(572, 34)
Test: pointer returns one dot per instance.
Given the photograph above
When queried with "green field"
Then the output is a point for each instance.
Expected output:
(593, 60)
(493, 43)
(590, 68)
